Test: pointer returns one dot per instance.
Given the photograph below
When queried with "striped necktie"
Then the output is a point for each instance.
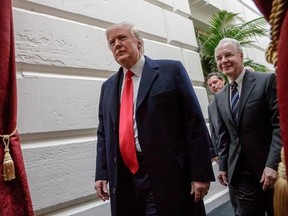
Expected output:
(234, 100)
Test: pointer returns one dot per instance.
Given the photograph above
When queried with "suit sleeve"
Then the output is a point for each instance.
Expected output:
(213, 139)
(276, 144)
(197, 135)
(101, 160)
(223, 140)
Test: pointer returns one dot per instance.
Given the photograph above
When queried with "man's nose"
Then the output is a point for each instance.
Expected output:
(117, 43)
(224, 59)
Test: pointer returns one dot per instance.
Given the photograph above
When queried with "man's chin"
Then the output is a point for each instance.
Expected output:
(227, 71)
(121, 58)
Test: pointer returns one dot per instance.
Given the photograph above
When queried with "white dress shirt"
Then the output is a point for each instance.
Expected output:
(137, 70)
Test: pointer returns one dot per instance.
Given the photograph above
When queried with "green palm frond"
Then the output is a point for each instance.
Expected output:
(256, 66)
(221, 21)
(224, 24)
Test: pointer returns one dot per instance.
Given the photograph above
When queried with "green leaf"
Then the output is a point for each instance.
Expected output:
(224, 24)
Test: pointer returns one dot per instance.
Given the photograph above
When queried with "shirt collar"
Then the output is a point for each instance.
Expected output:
(239, 79)
(137, 68)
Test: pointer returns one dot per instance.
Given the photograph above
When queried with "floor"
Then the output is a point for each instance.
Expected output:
(223, 210)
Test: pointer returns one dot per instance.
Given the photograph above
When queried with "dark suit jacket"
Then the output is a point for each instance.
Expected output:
(171, 131)
(213, 124)
(255, 138)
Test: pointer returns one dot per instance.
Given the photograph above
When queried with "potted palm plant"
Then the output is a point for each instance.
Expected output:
(223, 24)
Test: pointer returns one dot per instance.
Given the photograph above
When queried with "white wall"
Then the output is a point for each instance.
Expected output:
(201, 11)
(62, 60)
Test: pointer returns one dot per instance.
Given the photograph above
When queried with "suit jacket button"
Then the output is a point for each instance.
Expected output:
(114, 191)
(115, 160)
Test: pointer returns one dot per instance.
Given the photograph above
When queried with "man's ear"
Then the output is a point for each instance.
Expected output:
(139, 44)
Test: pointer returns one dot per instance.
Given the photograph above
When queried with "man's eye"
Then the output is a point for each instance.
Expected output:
(123, 38)
(111, 44)
(228, 55)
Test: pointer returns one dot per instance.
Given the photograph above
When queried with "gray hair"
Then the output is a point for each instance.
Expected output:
(232, 41)
(131, 28)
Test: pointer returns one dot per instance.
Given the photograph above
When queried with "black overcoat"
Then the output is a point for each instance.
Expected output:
(171, 131)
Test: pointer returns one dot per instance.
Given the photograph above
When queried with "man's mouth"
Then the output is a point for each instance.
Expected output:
(226, 67)
(120, 53)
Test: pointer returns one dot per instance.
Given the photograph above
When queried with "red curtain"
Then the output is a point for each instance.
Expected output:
(15, 196)
(265, 7)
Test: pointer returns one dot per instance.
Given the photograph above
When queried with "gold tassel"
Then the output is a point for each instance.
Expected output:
(279, 9)
(281, 189)
(8, 164)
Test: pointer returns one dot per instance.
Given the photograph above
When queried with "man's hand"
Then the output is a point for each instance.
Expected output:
(269, 177)
(101, 189)
(199, 189)
(222, 177)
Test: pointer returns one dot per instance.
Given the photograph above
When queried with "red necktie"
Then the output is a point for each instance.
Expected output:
(126, 131)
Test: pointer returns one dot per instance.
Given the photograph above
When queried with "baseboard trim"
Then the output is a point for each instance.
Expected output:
(216, 200)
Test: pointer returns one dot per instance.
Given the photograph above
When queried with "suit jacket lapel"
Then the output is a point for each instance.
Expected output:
(248, 85)
(115, 97)
(226, 102)
(149, 74)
